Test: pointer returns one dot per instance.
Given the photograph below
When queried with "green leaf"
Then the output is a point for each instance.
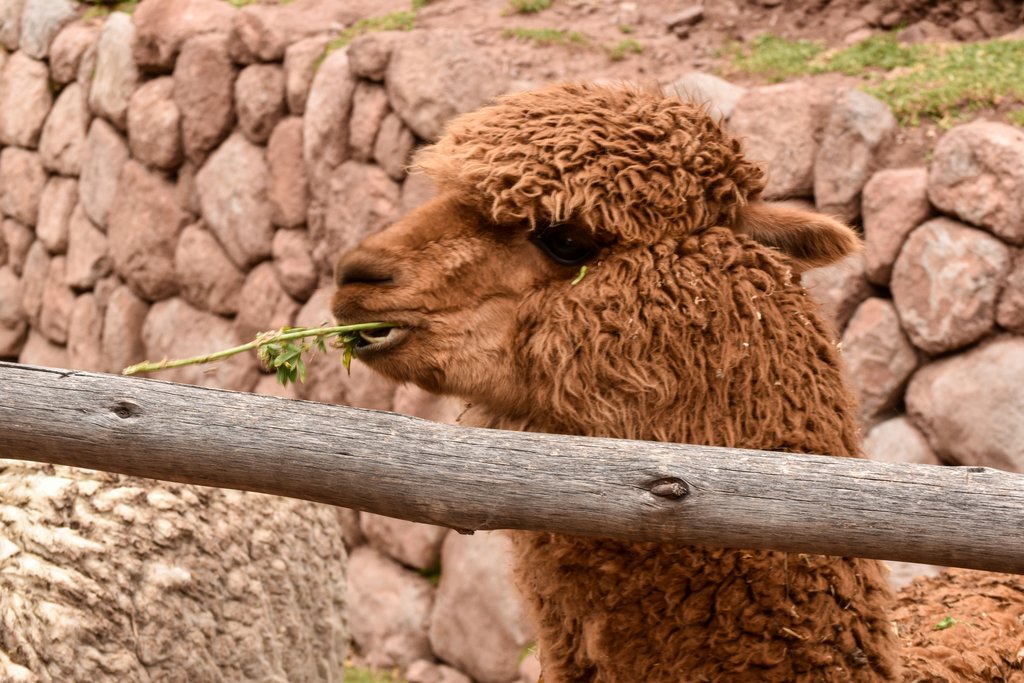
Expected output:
(945, 623)
(579, 278)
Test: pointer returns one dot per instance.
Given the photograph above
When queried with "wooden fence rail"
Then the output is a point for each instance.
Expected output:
(471, 479)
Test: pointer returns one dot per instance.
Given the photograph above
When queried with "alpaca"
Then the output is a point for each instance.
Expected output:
(689, 324)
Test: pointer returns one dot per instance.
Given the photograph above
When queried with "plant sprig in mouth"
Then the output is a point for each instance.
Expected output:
(282, 350)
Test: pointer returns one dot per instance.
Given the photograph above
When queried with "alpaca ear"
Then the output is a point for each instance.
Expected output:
(809, 239)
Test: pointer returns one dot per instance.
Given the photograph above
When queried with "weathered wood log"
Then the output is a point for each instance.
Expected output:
(471, 479)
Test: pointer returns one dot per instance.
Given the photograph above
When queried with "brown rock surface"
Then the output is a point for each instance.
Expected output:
(417, 190)
(414, 545)
(1010, 311)
(88, 255)
(116, 76)
(858, 128)
(434, 75)
(895, 201)
(720, 96)
(780, 126)
(287, 186)
(968, 426)
(85, 335)
(39, 350)
(33, 280)
(362, 200)
(40, 22)
(105, 155)
(479, 622)
(173, 329)
(206, 276)
(58, 300)
(945, 284)
(68, 47)
(232, 187)
(25, 99)
(260, 100)
(63, 137)
(369, 107)
(60, 195)
(154, 123)
(143, 231)
(13, 321)
(977, 173)
(18, 240)
(423, 671)
(839, 288)
(898, 440)
(22, 181)
(293, 261)
(370, 53)
(261, 32)
(325, 123)
(411, 400)
(300, 64)
(394, 146)
(123, 319)
(204, 83)
(879, 357)
(263, 304)
(162, 27)
(388, 609)
(10, 23)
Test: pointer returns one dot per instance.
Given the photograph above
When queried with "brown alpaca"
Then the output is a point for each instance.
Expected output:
(689, 325)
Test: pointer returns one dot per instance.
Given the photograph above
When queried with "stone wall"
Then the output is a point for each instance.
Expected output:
(175, 181)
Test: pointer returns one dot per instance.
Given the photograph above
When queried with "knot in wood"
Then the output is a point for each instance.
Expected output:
(670, 488)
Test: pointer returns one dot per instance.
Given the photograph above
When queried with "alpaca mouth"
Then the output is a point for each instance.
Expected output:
(372, 342)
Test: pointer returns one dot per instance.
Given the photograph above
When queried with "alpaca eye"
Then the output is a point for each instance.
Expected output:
(565, 246)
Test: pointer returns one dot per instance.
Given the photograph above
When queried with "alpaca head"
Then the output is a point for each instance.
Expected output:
(687, 272)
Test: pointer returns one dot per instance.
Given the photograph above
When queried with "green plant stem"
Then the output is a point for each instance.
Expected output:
(297, 333)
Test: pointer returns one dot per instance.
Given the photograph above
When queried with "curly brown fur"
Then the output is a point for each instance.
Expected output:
(689, 326)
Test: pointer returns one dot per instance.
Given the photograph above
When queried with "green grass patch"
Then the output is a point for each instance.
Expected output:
(359, 674)
(936, 81)
(396, 21)
(417, 5)
(527, 6)
(546, 36)
(623, 48)
(97, 10)
(627, 28)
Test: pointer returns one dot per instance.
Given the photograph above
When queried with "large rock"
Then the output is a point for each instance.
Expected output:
(105, 155)
(162, 27)
(878, 356)
(479, 623)
(33, 280)
(718, 95)
(325, 124)
(370, 53)
(978, 174)
(123, 319)
(22, 180)
(67, 49)
(58, 299)
(233, 195)
(895, 201)
(39, 350)
(388, 609)
(413, 544)
(173, 329)
(13, 321)
(899, 441)
(839, 288)
(63, 138)
(18, 240)
(10, 22)
(423, 671)
(293, 261)
(204, 84)
(40, 22)
(261, 32)
(287, 185)
(116, 75)
(362, 200)
(945, 284)
(394, 146)
(25, 100)
(1010, 311)
(858, 127)
(58, 200)
(369, 107)
(434, 75)
(207, 277)
(154, 124)
(780, 126)
(85, 335)
(259, 98)
(971, 406)
(144, 227)
(88, 255)
(300, 65)
(263, 304)
(411, 400)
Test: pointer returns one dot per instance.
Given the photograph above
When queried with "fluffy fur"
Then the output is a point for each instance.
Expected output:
(690, 325)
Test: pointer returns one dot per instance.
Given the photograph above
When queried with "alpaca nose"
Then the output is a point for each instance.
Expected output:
(356, 269)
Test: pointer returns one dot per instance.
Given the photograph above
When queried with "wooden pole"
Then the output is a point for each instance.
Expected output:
(471, 479)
